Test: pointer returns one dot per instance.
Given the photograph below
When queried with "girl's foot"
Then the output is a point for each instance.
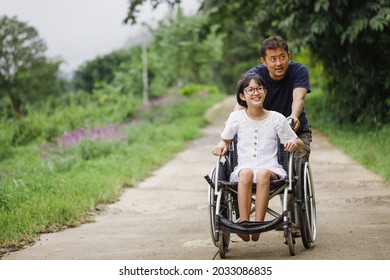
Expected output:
(245, 237)
(255, 236)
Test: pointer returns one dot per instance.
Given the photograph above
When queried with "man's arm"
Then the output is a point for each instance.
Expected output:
(299, 95)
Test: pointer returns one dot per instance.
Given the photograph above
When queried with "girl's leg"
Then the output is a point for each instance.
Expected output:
(264, 178)
(245, 181)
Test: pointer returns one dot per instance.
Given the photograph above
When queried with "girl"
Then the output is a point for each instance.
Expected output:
(258, 131)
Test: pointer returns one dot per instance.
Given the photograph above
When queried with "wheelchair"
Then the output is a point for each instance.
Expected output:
(298, 185)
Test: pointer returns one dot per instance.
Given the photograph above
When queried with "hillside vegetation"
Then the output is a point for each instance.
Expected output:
(68, 145)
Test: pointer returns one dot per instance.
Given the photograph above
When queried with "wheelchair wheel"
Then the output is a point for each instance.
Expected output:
(226, 212)
(307, 209)
(212, 205)
(290, 241)
(223, 244)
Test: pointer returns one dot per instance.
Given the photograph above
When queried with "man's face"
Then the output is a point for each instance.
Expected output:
(276, 62)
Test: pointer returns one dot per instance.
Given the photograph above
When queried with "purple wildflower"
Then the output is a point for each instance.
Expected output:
(44, 146)
(158, 100)
(44, 156)
(70, 139)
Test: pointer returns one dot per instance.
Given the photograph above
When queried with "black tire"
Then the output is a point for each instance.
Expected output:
(226, 212)
(212, 205)
(310, 203)
(222, 245)
(225, 207)
(290, 241)
(306, 205)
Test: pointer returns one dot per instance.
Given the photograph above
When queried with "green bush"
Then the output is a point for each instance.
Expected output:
(367, 144)
(6, 136)
(193, 89)
(45, 187)
(70, 113)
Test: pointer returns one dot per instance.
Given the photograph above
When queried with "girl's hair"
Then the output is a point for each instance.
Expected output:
(244, 82)
(272, 43)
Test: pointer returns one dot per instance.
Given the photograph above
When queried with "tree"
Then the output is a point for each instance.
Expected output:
(25, 73)
(350, 37)
(352, 40)
(181, 54)
(100, 69)
(135, 4)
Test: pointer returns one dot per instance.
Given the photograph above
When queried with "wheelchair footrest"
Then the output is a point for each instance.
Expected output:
(209, 181)
(248, 227)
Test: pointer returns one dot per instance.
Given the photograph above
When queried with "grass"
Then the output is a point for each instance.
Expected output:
(367, 145)
(369, 148)
(45, 187)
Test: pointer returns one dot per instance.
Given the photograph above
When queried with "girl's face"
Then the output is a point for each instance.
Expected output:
(254, 94)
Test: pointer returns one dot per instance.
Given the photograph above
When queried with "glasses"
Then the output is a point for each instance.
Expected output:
(250, 90)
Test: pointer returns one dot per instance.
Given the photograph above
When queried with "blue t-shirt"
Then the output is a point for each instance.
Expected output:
(280, 93)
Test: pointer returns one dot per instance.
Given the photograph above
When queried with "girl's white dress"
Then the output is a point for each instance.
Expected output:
(257, 142)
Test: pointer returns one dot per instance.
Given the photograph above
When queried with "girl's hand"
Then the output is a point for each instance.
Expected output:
(220, 149)
(292, 145)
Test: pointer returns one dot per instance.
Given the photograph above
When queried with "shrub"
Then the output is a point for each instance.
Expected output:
(193, 89)
(6, 136)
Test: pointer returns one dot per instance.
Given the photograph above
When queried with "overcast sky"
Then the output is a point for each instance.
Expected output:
(79, 30)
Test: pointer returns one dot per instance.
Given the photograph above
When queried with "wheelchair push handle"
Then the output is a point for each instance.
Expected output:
(291, 122)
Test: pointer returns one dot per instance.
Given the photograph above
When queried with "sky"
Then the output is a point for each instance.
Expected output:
(79, 30)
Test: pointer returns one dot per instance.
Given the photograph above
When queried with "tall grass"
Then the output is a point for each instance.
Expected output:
(365, 144)
(55, 182)
(368, 145)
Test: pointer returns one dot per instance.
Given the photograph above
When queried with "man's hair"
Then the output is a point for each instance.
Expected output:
(272, 43)
(244, 83)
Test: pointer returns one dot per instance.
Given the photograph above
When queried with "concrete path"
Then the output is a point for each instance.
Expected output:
(166, 216)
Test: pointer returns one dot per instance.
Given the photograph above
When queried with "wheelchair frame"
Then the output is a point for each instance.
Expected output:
(223, 206)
